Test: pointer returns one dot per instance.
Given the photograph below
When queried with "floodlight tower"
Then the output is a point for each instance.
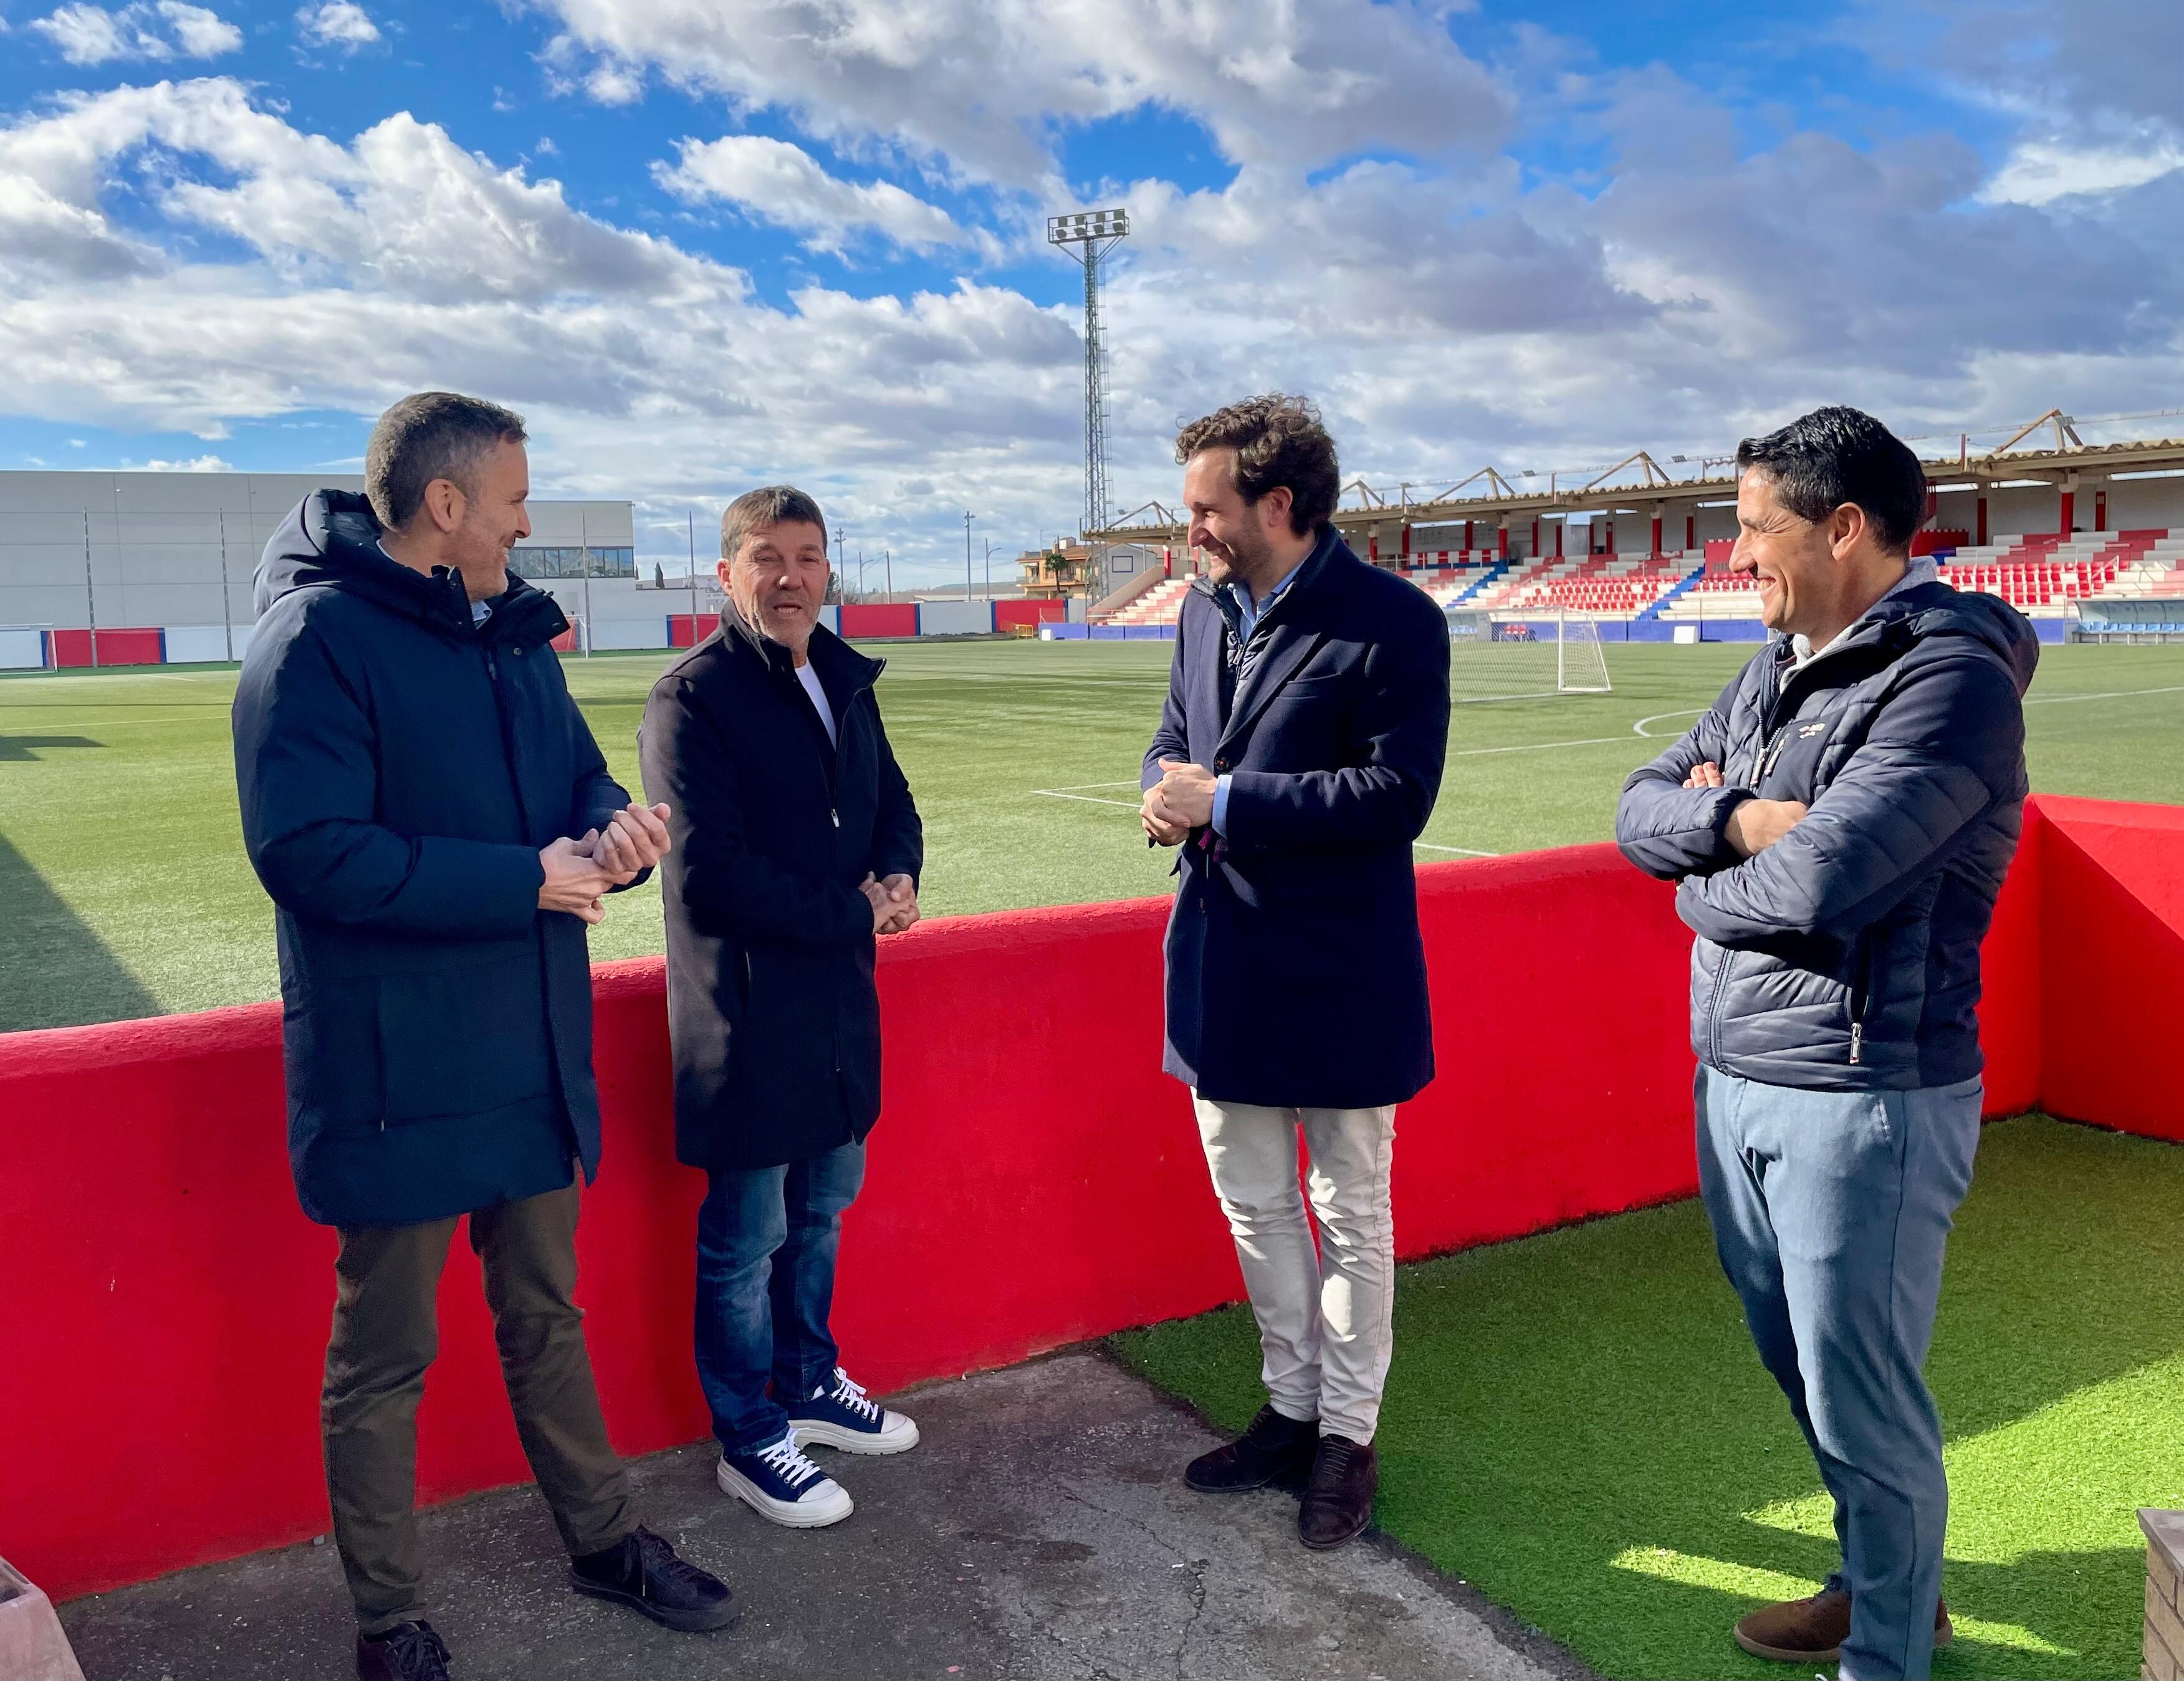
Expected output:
(1089, 238)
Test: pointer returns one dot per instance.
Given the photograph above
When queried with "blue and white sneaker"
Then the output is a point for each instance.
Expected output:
(837, 1416)
(776, 1481)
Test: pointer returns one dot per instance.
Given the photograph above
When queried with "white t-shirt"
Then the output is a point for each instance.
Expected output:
(810, 679)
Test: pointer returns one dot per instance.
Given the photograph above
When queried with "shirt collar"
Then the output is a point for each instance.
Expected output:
(1923, 569)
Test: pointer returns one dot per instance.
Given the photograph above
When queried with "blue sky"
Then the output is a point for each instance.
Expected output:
(718, 244)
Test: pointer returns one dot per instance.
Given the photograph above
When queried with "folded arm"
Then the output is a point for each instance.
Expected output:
(1670, 829)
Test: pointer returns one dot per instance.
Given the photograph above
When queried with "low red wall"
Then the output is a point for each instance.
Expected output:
(880, 618)
(1010, 615)
(66, 650)
(688, 630)
(1031, 1184)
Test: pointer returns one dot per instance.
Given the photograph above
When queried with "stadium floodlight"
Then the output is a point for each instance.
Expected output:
(1089, 236)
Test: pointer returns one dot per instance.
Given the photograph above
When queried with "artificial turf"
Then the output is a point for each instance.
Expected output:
(1576, 1422)
(121, 859)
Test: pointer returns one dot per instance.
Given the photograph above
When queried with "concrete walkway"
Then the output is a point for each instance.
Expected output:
(1040, 1533)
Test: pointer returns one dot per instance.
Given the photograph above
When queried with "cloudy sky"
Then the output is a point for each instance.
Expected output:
(706, 244)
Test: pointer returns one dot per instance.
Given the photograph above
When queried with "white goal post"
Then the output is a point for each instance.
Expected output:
(1515, 656)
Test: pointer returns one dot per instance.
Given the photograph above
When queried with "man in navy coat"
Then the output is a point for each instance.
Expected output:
(436, 826)
(1298, 757)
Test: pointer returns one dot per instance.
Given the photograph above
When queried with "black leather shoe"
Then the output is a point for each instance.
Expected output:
(1275, 1450)
(644, 1575)
(409, 1652)
(1337, 1500)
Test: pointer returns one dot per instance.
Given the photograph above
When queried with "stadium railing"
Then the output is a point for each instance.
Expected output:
(1031, 1186)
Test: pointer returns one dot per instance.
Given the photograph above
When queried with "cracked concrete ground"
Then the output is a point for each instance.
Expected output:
(1040, 1533)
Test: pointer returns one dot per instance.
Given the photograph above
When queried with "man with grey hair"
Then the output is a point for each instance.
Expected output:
(436, 827)
(796, 845)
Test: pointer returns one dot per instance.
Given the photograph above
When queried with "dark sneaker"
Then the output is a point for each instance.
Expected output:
(1275, 1450)
(1337, 1500)
(776, 1481)
(644, 1573)
(409, 1652)
(837, 1415)
(1812, 1631)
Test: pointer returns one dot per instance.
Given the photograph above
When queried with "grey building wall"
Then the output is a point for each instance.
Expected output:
(179, 549)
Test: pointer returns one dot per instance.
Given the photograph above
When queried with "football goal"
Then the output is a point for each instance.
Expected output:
(1516, 656)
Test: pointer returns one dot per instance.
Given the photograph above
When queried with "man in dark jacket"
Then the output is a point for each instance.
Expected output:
(1840, 823)
(436, 826)
(1298, 757)
(796, 843)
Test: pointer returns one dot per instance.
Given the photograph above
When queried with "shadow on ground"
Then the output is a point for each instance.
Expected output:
(58, 972)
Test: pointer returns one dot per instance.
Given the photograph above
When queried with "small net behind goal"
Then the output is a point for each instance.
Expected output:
(1510, 656)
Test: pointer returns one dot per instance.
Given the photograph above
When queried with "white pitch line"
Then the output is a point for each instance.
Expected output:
(1467, 851)
(1640, 729)
(1086, 799)
(2113, 694)
(1542, 746)
(1073, 788)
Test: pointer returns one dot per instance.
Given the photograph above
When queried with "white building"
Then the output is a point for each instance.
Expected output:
(174, 553)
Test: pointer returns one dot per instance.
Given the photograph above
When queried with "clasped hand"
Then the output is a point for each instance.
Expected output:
(581, 872)
(894, 902)
(1756, 824)
(1180, 801)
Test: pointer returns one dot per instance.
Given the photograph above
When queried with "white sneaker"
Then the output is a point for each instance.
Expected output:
(837, 1416)
(778, 1482)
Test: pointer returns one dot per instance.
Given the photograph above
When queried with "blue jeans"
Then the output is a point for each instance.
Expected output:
(1830, 1212)
(766, 1242)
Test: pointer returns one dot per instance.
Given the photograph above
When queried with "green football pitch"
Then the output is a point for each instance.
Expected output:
(128, 895)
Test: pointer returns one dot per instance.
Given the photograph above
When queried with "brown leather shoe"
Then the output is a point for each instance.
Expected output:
(1337, 1500)
(1276, 1450)
(1812, 1631)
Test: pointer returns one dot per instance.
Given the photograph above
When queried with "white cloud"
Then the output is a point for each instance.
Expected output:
(988, 88)
(785, 185)
(340, 24)
(2038, 172)
(196, 463)
(91, 35)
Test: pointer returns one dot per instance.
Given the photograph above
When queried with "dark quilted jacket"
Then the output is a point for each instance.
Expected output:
(1846, 956)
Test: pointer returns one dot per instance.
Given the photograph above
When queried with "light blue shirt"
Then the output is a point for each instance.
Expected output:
(1253, 611)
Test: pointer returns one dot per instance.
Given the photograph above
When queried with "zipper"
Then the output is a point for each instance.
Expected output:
(1713, 1014)
(834, 816)
(1861, 996)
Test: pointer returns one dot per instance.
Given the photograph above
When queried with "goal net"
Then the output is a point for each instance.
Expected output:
(1513, 656)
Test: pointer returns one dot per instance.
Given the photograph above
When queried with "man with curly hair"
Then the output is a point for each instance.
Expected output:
(1298, 757)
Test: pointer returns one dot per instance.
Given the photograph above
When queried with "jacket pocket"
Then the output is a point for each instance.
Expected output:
(463, 1041)
(1859, 1000)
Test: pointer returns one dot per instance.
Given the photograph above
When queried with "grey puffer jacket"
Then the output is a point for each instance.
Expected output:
(1846, 956)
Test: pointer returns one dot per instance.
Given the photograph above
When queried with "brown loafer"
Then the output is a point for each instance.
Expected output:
(1812, 1631)
(1337, 1500)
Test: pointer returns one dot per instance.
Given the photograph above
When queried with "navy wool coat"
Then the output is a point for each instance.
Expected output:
(400, 770)
(1296, 975)
(771, 1006)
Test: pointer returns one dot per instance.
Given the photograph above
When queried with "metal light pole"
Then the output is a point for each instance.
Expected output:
(886, 557)
(968, 517)
(1089, 238)
(690, 519)
(841, 560)
(584, 560)
(990, 569)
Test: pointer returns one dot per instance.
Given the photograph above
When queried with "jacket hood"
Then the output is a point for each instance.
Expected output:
(1931, 610)
(330, 541)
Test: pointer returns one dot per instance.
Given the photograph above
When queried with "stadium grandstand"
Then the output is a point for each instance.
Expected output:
(2086, 539)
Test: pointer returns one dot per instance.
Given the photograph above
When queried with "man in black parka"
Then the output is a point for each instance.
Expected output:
(436, 826)
(796, 843)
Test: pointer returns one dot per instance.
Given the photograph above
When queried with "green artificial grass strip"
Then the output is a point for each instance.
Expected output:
(128, 895)
(1576, 1422)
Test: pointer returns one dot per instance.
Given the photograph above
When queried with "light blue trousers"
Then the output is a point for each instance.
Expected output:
(1830, 1212)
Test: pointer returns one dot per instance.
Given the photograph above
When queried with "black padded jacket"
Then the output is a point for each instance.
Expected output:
(1845, 957)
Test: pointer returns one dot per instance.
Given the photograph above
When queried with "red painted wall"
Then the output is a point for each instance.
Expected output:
(1009, 615)
(65, 649)
(1030, 1186)
(688, 630)
(880, 618)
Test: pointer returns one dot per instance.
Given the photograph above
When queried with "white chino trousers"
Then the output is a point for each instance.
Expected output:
(1324, 1311)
